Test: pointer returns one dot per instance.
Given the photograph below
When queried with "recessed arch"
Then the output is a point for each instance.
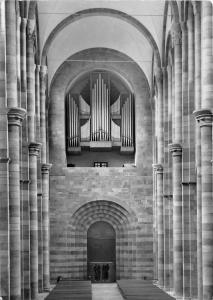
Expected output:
(122, 220)
(100, 12)
(69, 70)
(83, 73)
(121, 58)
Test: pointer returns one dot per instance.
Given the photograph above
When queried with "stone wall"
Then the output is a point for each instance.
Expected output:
(130, 189)
(121, 196)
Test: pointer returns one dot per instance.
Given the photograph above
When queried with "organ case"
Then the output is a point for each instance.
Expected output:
(99, 122)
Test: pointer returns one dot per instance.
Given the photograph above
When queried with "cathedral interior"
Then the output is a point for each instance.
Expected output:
(106, 111)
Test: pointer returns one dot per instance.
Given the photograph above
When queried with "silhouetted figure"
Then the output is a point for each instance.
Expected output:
(105, 272)
(58, 279)
(96, 272)
(99, 272)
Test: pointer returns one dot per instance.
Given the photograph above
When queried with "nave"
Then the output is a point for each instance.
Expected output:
(106, 145)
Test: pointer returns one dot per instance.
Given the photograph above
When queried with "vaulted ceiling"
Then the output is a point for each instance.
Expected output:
(134, 28)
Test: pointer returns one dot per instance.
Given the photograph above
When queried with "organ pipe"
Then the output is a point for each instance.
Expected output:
(101, 115)
(100, 108)
(73, 122)
(127, 123)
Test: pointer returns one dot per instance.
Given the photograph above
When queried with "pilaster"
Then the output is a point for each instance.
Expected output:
(204, 118)
(176, 151)
(31, 79)
(43, 78)
(34, 149)
(15, 118)
(158, 168)
(159, 80)
(177, 42)
(45, 219)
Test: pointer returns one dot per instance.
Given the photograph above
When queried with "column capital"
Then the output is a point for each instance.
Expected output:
(37, 68)
(19, 20)
(45, 168)
(43, 73)
(24, 20)
(159, 75)
(168, 196)
(204, 117)
(34, 148)
(23, 23)
(196, 8)
(176, 32)
(4, 160)
(16, 115)
(169, 69)
(25, 181)
(158, 168)
(184, 27)
(31, 35)
(175, 149)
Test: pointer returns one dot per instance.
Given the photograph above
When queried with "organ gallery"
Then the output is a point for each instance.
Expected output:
(106, 111)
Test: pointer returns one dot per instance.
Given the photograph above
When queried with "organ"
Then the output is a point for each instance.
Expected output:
(99, 122)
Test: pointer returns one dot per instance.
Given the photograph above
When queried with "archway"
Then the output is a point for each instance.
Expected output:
(101, 257)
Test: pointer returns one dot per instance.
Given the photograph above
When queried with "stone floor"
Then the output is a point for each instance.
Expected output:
(106, 291)
(42, 296)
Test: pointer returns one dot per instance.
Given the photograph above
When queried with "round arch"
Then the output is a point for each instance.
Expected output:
(101, 12)
(123, 223)
(101, 256)
(70, 70)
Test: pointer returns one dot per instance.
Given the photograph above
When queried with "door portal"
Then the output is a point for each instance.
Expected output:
(101, 256)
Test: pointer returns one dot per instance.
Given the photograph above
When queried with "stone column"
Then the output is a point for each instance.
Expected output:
(25, 168)
(205, 118)
(39, 177)
(176, 151)
(37, 101)
(165, 180)
(43, 76)
(18, 40)
(40, 240)
(15, 117)
(192, 166)
(45, 218)
(33, 153)
(160, 224)
(26, 237)
(155, 246)
(177, 40)
(31, 80)
(169, 74)
(198, 145)
(10, 13)
(4, 167)
(207, 70)
(4, 216)
(160, 146)
(185, 165)
(23, 63)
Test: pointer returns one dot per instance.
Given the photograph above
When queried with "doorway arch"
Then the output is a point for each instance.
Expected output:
(101, 252)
